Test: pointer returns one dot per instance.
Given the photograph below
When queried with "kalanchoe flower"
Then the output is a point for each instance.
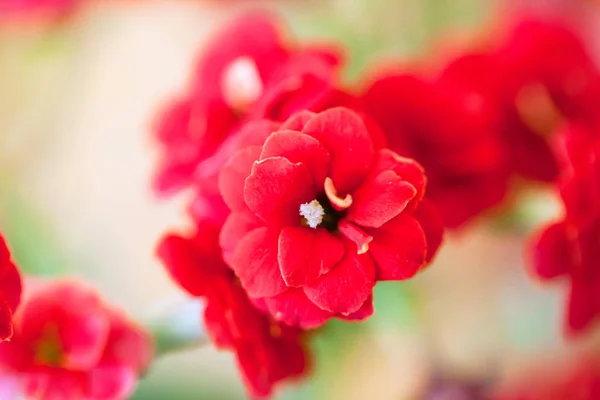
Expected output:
(320, 212)
(68, 344)
(451, 132)
(10, 291)
(266, 351)
(247, 72)
(570, 247)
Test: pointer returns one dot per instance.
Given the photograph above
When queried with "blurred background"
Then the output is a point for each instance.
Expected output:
(77, 102)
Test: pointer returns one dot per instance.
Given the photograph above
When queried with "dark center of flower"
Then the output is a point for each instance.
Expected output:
(320, 212)
(49, 351)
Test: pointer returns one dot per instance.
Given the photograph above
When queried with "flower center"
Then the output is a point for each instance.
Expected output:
(241, 83)
(49, 351)
(320, 212)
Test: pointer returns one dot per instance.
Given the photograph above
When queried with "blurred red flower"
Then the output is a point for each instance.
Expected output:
(320, 212)
(47, 10)
(10, 291)
(451, 132)
(266, 351)
(247, 72)
(577, 378)
(69, 344)
(570, 248)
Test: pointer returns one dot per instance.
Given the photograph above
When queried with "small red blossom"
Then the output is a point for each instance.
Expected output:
(319, 214)
(570, 248)
(10, 291)
(266, 351)
(69, 344)
(451, 132)
(247, 72)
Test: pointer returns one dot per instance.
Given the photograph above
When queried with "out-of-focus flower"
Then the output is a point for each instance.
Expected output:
(570, 248)
(577, 379)
(320, 212)
(266, 351)
(38, 10)
(451, 132)
(10, 291)
(247, 72)
(69, 344)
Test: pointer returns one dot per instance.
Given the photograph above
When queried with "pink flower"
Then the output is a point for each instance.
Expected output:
(10, 291)
(319, 214)
(69, 344)
(266, 352)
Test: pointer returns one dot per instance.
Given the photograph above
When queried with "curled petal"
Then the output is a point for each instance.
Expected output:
(336, 201)
(356, 235)
(364, 312)
(305, 254)
(255, 263)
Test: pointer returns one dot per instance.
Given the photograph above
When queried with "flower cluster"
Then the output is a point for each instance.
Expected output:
(307, 193)
(68, 344)
(300, 206)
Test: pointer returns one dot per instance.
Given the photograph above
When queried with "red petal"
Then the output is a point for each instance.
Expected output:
(332, 194)
(344, 134)
(554, 253)
(234, 174)
(255, 263)
(298, 147)
(406, 168)
(306, 253)
(110, 382)
(380, 199)
(582, 307)
(6, 325)
(276, 188)
(295, 309)
(432, 224)
(237, 225)
(398, 248)
(298, 121)
(364, 312)
(356, 235)
(10, 278)
(344, 289)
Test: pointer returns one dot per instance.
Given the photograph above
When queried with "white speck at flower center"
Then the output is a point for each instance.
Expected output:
(313, 212)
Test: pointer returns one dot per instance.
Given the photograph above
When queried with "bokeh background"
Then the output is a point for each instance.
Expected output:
(77, 103)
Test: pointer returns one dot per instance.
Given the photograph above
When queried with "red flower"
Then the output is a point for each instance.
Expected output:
(319, 214)
(451, 132)
(49, 10)
(68, 344)
(247, 72)
(571, 248)
(266, 351)
(10, 291)
(577, 378)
